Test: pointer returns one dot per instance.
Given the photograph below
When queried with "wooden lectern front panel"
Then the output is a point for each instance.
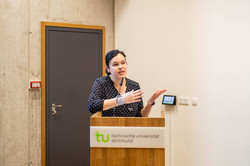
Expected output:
(127, 156)
(98, 120)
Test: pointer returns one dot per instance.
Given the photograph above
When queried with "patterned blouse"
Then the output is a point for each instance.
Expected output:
(103, 88)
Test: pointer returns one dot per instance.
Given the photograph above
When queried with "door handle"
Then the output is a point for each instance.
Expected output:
(54, 106)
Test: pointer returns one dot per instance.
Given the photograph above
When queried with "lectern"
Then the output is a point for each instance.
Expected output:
(127, 156)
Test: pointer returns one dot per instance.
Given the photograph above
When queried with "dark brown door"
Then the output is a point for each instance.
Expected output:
(73, 62)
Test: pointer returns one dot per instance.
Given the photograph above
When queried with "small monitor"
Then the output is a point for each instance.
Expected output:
(169, 100)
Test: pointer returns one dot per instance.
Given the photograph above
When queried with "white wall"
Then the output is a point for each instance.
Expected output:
(194, 49)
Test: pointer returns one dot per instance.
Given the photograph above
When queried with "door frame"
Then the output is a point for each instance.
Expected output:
(43, 73)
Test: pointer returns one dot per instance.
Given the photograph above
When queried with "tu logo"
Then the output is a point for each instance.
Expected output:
(101, 135)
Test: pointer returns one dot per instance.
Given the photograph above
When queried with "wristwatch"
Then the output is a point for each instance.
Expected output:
(151, 103)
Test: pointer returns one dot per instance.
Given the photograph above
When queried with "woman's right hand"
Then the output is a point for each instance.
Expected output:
(133, 96)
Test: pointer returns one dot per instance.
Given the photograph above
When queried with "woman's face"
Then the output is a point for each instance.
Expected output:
(118, 66)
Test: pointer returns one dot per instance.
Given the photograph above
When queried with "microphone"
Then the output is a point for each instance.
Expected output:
(118, 95)
(121, 84)
(121, 81)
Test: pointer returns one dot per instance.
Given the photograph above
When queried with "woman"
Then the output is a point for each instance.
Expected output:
(117, 95)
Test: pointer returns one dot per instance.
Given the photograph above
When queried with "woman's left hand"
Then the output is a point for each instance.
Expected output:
(156, 95)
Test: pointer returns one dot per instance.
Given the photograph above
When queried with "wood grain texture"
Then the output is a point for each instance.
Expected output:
(127, 156)
(98, 120)
(43, 101)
